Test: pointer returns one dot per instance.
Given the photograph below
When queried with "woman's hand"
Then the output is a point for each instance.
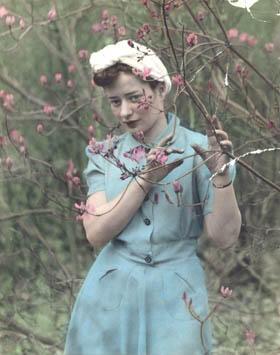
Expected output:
(156, 168)
(218, 145)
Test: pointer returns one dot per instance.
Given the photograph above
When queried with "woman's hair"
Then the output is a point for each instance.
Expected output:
(107, 76)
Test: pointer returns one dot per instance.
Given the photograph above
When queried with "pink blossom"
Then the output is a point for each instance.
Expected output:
(252, 41)
(58, 77)
(232, 33)
(226, 292)
(72, 68)
(2, 94)
(70, 83)
(144, 103)
(114, 20)
(48, 109)
(105, 14)
(250, 337)
(43, 80)
(177, 187)
(52, 14)
(95, 147)
(177, 80)
(84, 209)
(121, 31)
(243, 37)
(191, 39)
(161, 156)
(97, 27)
(22, 23)
(10, 20)
(8, 163)
(269, 47)
(144, 2)
(3, 11)
(143, 74)
(136, 154)
(168, 6)
(83, 54)
(40, 128)
(91, 130)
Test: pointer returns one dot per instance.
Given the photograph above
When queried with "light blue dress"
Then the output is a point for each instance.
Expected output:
(131, 302)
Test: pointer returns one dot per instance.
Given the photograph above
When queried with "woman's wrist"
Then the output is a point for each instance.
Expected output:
(221, 181)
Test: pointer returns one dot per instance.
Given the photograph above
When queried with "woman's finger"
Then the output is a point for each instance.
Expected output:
(227, 145)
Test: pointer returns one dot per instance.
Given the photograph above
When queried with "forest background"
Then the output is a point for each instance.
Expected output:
(223, 61)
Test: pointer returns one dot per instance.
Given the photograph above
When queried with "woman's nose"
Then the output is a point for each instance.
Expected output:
(126, 109)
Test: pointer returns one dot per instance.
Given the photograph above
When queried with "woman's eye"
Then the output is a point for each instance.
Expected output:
(115, 103)
(135, 98)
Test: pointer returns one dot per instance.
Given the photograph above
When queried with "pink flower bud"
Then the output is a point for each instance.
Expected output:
(43, 80)
(83, 54)
(76, 181)
(3, 141)
(105, 14)
(243, 37)
(121, 31)
(15, 136)
(8, 101)
(72, 68)
(252, 41)
(226, 292)
(48, 109)
(200, 16)
(191, 39)
(232, 33)
(177, 80)
(10, 20)
(177, 187)
(114, 20)
(144, 2)
(270, 124)
(140, 34)
(8, 163)
(146, 28)
(97, 27)
(22, 149)
(52, 14)
(130, 43)
(3, 11)
(250, 337)
(105, 25)
(91, 130)
(269, 47)
(58, 77)
(70, 83)
(22, 23)
(40, 128)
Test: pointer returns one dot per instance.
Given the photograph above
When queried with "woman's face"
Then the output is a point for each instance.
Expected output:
(137, 106)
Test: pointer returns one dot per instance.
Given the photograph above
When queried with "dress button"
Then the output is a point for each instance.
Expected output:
(147, 221)
(148, 259)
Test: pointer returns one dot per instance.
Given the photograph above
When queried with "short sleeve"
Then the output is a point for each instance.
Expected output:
(94, 172)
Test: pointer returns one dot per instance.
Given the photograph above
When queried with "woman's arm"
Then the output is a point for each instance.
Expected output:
(110, 217)
(224, 223)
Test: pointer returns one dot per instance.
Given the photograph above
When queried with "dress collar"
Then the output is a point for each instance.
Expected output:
(173, 123)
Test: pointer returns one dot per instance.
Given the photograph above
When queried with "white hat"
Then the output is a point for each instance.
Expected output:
(133, 54)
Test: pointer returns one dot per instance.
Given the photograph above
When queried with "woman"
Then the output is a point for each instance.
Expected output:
(148, 214)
